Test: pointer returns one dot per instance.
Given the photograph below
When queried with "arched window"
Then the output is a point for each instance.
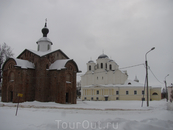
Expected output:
(11, 77)
(110, 67)
(129, 83)
(101, 65)
(154, 93)
(89, 67)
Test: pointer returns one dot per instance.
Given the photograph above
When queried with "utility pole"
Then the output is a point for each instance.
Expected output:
(146, 63)
(166, 88)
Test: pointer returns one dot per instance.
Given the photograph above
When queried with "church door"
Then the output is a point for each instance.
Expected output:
(106, 98)
(66, 97)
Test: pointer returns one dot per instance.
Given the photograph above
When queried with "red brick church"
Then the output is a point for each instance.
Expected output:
(41, 75)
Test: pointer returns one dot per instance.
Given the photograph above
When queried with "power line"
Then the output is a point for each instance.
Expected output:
(132, 66)
(155, 76)
(112, 70)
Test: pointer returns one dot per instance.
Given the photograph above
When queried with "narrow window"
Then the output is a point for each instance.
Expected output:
(101, 65)
(97, 98)
(106, 65)
(135, 92)
(110, 67)
(91, 98)
(48, 47)
(127, 92)
(97, 91)
(90, 67)
(143, 92)
(38, 47)
(85, 98)
(117, 92)
(117, 98)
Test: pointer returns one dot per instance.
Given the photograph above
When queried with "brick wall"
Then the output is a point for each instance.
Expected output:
(39, 84)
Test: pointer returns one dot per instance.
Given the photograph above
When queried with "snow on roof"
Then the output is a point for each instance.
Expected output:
(24, 64)
(132, 83)
(59, 64)
(40, 53)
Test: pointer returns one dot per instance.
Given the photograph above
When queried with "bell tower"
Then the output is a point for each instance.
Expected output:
(44, 43)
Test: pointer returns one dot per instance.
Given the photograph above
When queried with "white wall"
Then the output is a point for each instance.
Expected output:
(43, 46)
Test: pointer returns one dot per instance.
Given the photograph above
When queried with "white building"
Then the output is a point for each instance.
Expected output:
(105, 81)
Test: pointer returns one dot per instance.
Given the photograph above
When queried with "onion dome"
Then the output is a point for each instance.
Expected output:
(90, 61)
(45, 30)
(110, 60)
(103, 56)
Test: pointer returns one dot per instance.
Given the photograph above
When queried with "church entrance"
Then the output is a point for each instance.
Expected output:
(67, 100)
(106, 98)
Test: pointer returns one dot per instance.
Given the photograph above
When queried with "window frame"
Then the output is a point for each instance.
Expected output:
(135, 92)
(117, 92)
(97, 91)
(110, 67)
(101, 65)
(89, 67)
(143, 92)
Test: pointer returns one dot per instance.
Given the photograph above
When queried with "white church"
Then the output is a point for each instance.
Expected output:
(104, 81)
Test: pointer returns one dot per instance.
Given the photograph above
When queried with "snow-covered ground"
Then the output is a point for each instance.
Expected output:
(90, 115)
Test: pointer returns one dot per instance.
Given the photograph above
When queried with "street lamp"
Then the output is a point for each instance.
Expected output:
(146, 64)
(166, 88)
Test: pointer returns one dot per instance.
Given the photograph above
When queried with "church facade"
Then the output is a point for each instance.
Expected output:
(105, 81)
(41, 75)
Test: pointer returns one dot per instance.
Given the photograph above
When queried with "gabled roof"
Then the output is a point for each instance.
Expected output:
(40, 53)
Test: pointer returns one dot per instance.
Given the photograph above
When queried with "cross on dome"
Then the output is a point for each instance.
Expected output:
(45, 30)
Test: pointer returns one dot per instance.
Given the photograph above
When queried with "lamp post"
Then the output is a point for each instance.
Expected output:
(146, 64)
(166, 88)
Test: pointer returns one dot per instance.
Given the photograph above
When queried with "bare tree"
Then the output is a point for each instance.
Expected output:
(5, 53)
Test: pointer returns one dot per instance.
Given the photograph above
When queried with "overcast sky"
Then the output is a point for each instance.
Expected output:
(124, 29)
